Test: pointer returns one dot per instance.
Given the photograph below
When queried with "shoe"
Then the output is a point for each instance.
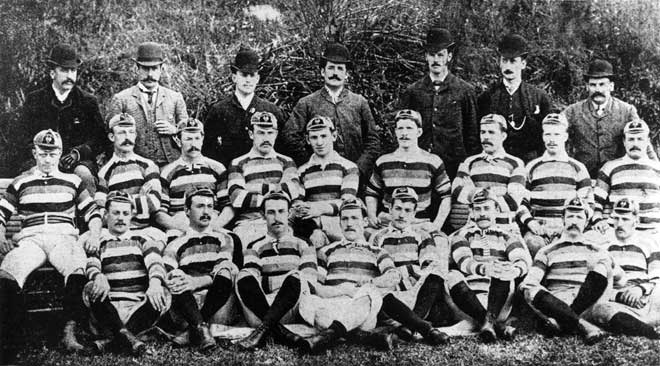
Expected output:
(129, 341)
(592, 334)
(201, 337)
(319, 341)
(404, 333)
(548, 327)
(436, 337)
(380, 341)
(505, 331)
(102, 346)
(69, 339)
(487, 331)
(284, 336)
(255, 339)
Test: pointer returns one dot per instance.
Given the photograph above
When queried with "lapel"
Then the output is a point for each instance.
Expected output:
(53, 99)
(137, 94)
(160, 97)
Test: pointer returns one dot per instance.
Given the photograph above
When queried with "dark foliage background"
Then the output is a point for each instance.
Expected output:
(385, 37)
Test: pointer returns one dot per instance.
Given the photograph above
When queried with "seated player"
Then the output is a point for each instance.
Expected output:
(252, 174)
(634, 307)
(551, 180)
(192, 169)
(131, 173)
(572, 271)
(491, 259)
(327, 178)
(48, 202)
(200, 269)
(502, 173)
(125, 292)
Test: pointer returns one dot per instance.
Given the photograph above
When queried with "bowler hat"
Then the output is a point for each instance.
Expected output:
(438, 39)
(149, 54)
(64, 55)
(246, 61)
(512, 46)
(337, 53)
(599, 69)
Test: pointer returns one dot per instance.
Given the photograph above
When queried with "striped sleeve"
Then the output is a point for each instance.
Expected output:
(461, 253)
(224, 264)
(375, 185)
(532, 282)
(653, 263)
(93, 266)
(170, 255)
(428, 252)
(165, 196)
(86, 205)
(583, 183)
(291, 180)
(153, 260)
(322, 268)
(8, 204)
(602, 189)
(384, 261)
(515, 190)
(518, 255)
(351, 181)
(308, 262)
(252, 261)
(222, 195)
(441, 183)
(462, 186)
(239, 196)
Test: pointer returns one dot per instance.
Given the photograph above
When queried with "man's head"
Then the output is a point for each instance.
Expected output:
(513, 56)
(407, 128)
(353, 219)
(122, 132)
(263, 132)
(625, 218)
(47, 150)
(149, 64)
(555, 133)
(245, 71)
(191, 135)
(199, 207)
(492, 132)
(484, 208)
(119, 211)
(636, 138)
(64, 63)
(599, 79)
(275, 207)
(404, 207)
(321, 135)
(334, 65)
(576, 216)
(439, 49)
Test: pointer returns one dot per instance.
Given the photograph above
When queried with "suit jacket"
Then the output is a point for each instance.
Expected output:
(169, 106)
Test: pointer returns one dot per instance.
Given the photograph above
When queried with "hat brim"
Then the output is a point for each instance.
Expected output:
(599, 75)
(513, 53)
(435, 47)
(149, 63)
(72, 64)
(250, 69)
(336, 60)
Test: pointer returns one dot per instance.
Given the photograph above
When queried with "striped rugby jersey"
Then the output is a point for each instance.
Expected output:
(330, 179)
(472, 247)
(503, 174)
(128, 175)
(179, 176)
(423, 171)
(563, 265)
(271, 260)
(201, 253)
(550, 182)
(635, 179)
(129, 262)
(250, 175)
(352, 262)
(410, 250)
(34, 195)
(639, 257)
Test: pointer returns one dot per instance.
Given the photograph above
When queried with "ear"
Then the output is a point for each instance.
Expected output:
(233, 78)
(611, 88)
(52, 73)
(334, 135)
(504, 135)
(251, 134)
(523, 63)
(307, 139)
(111, 136)
(419, 132)
(34, 153)
(450, 56)
(258, 77)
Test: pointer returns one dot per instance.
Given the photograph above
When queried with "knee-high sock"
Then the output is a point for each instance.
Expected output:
(107, 316)
(72, 304)
(593, 287)
(285, 300)
(12, 312)
(253, 297)
(627, 324)
(216, 297)
(185, 304)
(143, 318)
(398, 311)
(551, 306)
(497, 295)
(467, 301)
(432, 291)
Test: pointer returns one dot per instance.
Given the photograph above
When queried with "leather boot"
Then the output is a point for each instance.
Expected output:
(487, 331)
(255, 339)
(436, 337)
(505, 331)
(380, 341)
(319, 341)
(404, 333)
(69, 339)
(128, 341)
(286, 337)
(592, 334)
(201, 336)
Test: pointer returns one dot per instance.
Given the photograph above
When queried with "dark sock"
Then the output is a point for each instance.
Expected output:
(551, 306)
(12, 312)
(72, 304)
(285, 300)
(216, 296)
(401, 313)
(629, 325)
(432, 291)
(497, 295)
(338, 328)
(467, 301)
(185, 305)
(591, 290)
(106, 315)
(143, 318)
(441, 314)
(253, 296)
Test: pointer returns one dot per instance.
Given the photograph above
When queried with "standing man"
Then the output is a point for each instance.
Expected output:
(48, 201)
(228, 121)
(596, 123)
(69, 111)
(157, 110)
(447, 105)
(523, 105)
(357, 133)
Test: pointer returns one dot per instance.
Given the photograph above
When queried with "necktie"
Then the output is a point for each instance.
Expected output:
(150, 95)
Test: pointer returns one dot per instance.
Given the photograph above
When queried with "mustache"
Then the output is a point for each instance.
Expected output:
(266, 144)
(479, 218)
(635, 149)
(194, 148)
(205, 217)
(334, 77)
(573, 226)
(128, 143)
(436, 64)
(507, 72)
(149, 78)
(487, 143)
(69, 81)
(597, 94)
